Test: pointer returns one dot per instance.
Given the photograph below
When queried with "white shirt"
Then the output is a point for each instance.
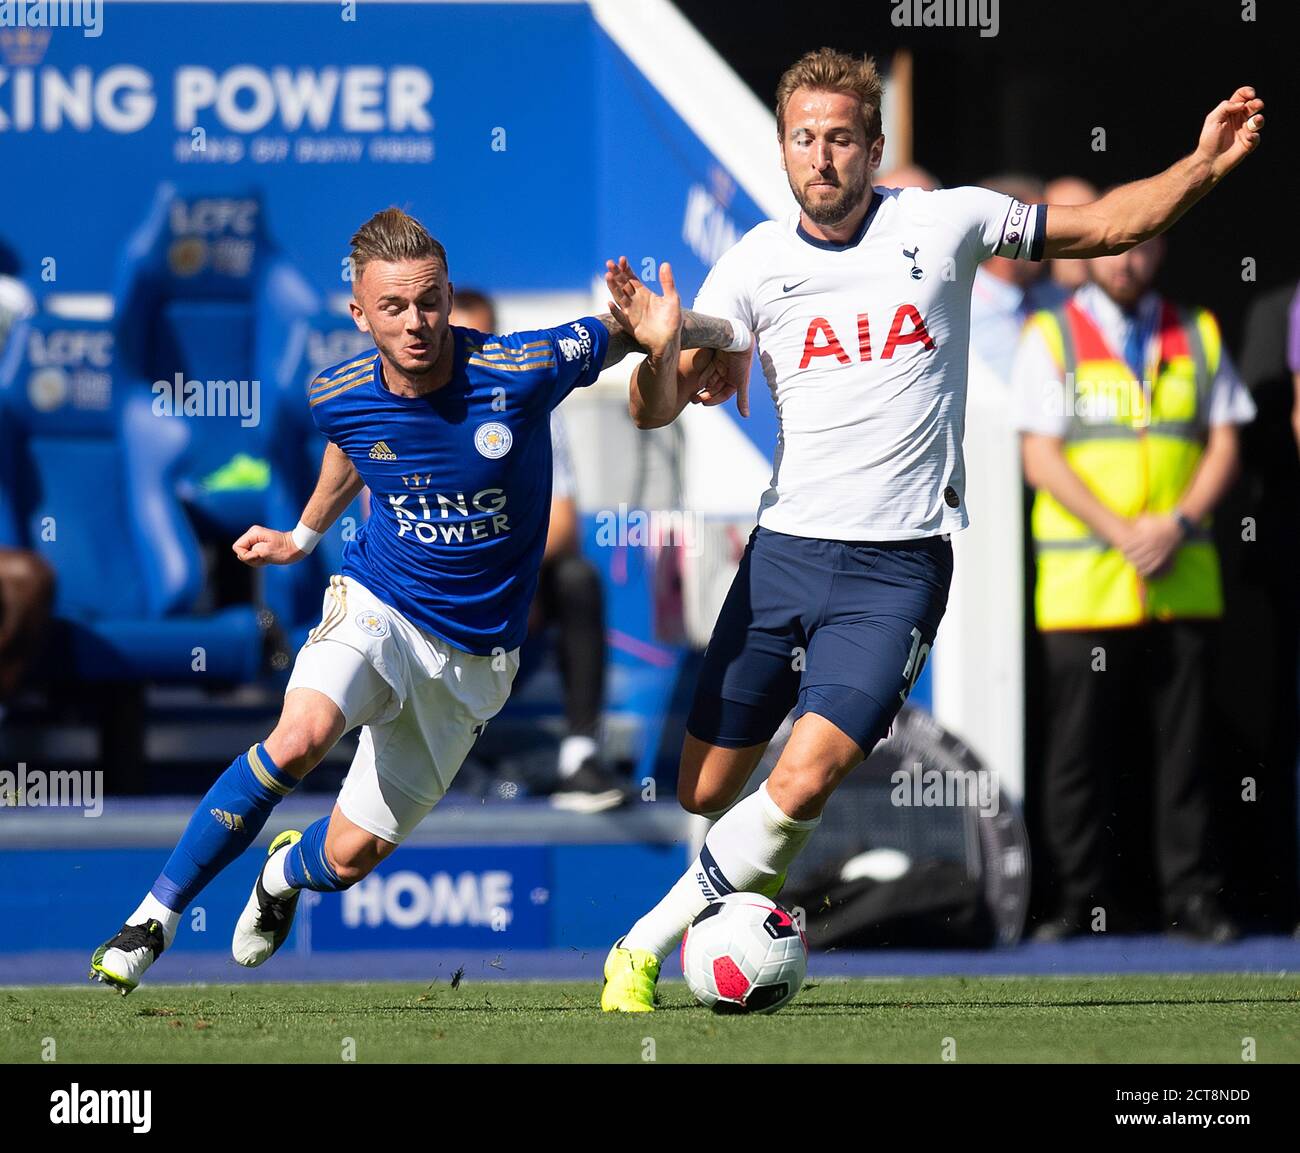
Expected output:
(864, 348)
(998, 311)
(1038, 384)
(16, 303)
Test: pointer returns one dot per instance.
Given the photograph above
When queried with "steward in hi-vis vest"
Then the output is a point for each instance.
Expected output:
(1127, 409)
(1137, 446)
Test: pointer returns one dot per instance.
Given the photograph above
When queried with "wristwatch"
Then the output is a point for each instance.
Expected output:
(1184, 522)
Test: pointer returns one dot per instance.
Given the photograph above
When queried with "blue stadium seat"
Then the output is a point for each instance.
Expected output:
(85, 472)
(203, 295)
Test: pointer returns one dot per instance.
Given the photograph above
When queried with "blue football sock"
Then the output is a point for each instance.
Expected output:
(226, 822)
(307, 866)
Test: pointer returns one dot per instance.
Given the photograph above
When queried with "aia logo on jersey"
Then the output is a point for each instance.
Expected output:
(821, 340)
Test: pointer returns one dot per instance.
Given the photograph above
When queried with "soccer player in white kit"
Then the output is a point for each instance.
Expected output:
(859, 306)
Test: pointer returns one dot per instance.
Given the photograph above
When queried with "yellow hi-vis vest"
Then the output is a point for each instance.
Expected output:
(1137, 448)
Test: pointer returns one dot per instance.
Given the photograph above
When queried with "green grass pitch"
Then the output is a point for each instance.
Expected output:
(1204, 1018)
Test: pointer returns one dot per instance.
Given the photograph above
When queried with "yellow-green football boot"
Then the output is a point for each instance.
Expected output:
(630, 978)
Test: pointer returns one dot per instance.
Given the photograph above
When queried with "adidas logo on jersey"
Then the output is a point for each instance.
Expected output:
(381, 451)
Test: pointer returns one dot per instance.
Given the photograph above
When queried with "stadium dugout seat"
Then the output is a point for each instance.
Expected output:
(85, 480)
(204, 295)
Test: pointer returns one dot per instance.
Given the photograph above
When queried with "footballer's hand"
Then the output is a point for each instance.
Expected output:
(260, 546)
(725, 375)
(653, 321)
(1231, 132)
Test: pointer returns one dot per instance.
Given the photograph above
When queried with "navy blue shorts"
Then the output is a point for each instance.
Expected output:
(835, 628)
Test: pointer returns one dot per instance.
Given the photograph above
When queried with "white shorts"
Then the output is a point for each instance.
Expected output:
(421, 702)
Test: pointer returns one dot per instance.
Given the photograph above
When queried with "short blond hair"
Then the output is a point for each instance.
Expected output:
(827, 70)
(392, 236)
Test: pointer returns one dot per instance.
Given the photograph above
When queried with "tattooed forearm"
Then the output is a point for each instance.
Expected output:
(698, 331)
(620, 342)
(702, 331)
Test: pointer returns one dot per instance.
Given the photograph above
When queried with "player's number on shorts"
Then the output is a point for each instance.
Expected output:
(915, 663)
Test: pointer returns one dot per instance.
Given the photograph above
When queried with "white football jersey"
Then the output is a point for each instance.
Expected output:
(864, 347)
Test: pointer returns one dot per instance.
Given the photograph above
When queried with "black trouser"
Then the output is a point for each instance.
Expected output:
(570, 596)
(1150, 700)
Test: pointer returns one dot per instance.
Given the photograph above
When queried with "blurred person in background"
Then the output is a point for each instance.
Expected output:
(1128, 408)
(1293, 362)
(908, 176)
(26, 597)
(16, 300)
(569, 596)
(1069, 274)
(1008, 290)
(26, 581)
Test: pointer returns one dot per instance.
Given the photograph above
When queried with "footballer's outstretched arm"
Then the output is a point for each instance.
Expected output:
(339, 482)
(1135, 212)
(643, 322)
(682, 365)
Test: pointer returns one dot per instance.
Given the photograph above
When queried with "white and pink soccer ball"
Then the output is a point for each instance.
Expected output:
(744, 954)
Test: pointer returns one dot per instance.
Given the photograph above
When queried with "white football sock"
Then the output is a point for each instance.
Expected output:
(273, 878)
(752, 844)
(573, 751)
(152, 909)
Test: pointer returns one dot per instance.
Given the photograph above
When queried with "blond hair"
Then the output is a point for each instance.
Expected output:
(827, 70)
(391, 236)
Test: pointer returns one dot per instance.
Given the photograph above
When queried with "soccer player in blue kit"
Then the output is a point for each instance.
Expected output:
(419, 639)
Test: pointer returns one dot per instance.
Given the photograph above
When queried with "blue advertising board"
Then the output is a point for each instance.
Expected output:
(477, 118)
(520, 135)
(485, 898)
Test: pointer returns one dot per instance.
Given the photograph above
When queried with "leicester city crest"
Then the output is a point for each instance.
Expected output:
(493, 440)
(372, 622)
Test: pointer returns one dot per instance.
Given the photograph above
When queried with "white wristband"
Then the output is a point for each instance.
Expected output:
(741, 337)
(305, 538)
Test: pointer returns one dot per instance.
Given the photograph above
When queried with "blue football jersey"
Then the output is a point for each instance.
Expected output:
(460, 479)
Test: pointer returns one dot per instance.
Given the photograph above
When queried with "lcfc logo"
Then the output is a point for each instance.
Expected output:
(493, 440)
(372, 623)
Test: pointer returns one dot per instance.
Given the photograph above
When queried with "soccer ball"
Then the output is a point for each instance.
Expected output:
(744, 954)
